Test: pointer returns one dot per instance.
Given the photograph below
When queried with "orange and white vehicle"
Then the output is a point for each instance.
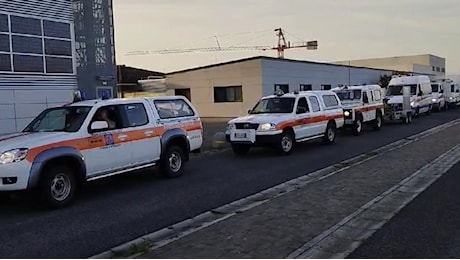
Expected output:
(66, 146)
(361, 105)
(281, 120)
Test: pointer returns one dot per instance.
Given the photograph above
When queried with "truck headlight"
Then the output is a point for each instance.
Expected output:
(346, 113)
(15, 155)
(434, 100)
(267, 127)
(412, 103)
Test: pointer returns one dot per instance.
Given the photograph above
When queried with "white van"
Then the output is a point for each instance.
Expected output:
(452, 94)
(420, 88)
(438, 98)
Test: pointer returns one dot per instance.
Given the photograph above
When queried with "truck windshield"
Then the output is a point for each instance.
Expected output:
(396, 90)
(349, 95)
(434, 88)
(59, 119)
(274, 105)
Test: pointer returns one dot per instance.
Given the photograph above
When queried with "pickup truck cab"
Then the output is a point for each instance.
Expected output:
(281, 120)
(63, 147)
(361, 105)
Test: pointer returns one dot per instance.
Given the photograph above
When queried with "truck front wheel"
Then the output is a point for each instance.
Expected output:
(57, 186)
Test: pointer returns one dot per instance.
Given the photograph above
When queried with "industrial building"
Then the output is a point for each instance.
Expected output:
(229, 89)
(423, 64)
(44, 58)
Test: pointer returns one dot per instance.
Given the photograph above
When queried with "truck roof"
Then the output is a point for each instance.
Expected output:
(92, 102)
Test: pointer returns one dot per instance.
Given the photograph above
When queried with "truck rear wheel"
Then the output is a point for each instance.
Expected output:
(57, 186)
(173, 162)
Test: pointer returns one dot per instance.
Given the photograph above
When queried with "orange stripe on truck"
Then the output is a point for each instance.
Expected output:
(308, 120)
(99, 140)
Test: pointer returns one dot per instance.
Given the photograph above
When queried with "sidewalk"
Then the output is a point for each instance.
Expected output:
(324, 214)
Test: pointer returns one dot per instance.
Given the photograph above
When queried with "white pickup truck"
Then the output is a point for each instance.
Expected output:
(281, 120)
(66, 146)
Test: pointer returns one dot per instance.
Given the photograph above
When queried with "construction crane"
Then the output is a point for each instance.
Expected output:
(281, 46)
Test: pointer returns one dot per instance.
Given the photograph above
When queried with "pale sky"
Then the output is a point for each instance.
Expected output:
(344, 29)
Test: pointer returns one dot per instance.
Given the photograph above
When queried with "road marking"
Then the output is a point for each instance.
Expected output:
(365, 221)
(182, 229)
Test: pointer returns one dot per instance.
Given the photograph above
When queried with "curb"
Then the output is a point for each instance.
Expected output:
(179, 230)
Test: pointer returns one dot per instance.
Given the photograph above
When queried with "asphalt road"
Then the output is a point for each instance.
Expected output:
(113, 211)
(429, 227)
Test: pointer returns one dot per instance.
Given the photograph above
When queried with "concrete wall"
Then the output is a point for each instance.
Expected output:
(296, 73)
(202, 82)
(25, 94)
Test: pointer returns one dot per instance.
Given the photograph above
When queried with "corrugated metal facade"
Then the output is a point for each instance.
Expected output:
(23, 95)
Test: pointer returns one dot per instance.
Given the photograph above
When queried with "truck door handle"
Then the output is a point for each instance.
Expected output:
(122, 137)
(148, 133)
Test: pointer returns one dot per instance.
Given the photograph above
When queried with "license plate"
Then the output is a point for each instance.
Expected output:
(240, 135)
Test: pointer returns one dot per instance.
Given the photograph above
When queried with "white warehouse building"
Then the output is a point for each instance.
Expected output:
(37, 59)
(229, 89)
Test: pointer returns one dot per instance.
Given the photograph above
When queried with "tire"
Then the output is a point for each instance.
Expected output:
(358, 125)
(377, 124)
(285, 143)
(240, 149)
(329, 134)
(172, 163)
(57, 186)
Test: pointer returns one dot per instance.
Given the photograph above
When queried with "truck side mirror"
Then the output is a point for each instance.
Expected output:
(99, 125)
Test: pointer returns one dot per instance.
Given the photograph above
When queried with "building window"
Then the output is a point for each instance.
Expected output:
(30, 47)
(228, 94)
(326, 87)
(4, 42)
(25, 44)
(283, 87)
(25, 25)
(185, 92)
(433, 68)
(4, 23)
(26, 63)
(306, 87)
(438, 69)
(56, 29)
(443, 70)
(58, 47)
(5, 62)
(59, 65)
